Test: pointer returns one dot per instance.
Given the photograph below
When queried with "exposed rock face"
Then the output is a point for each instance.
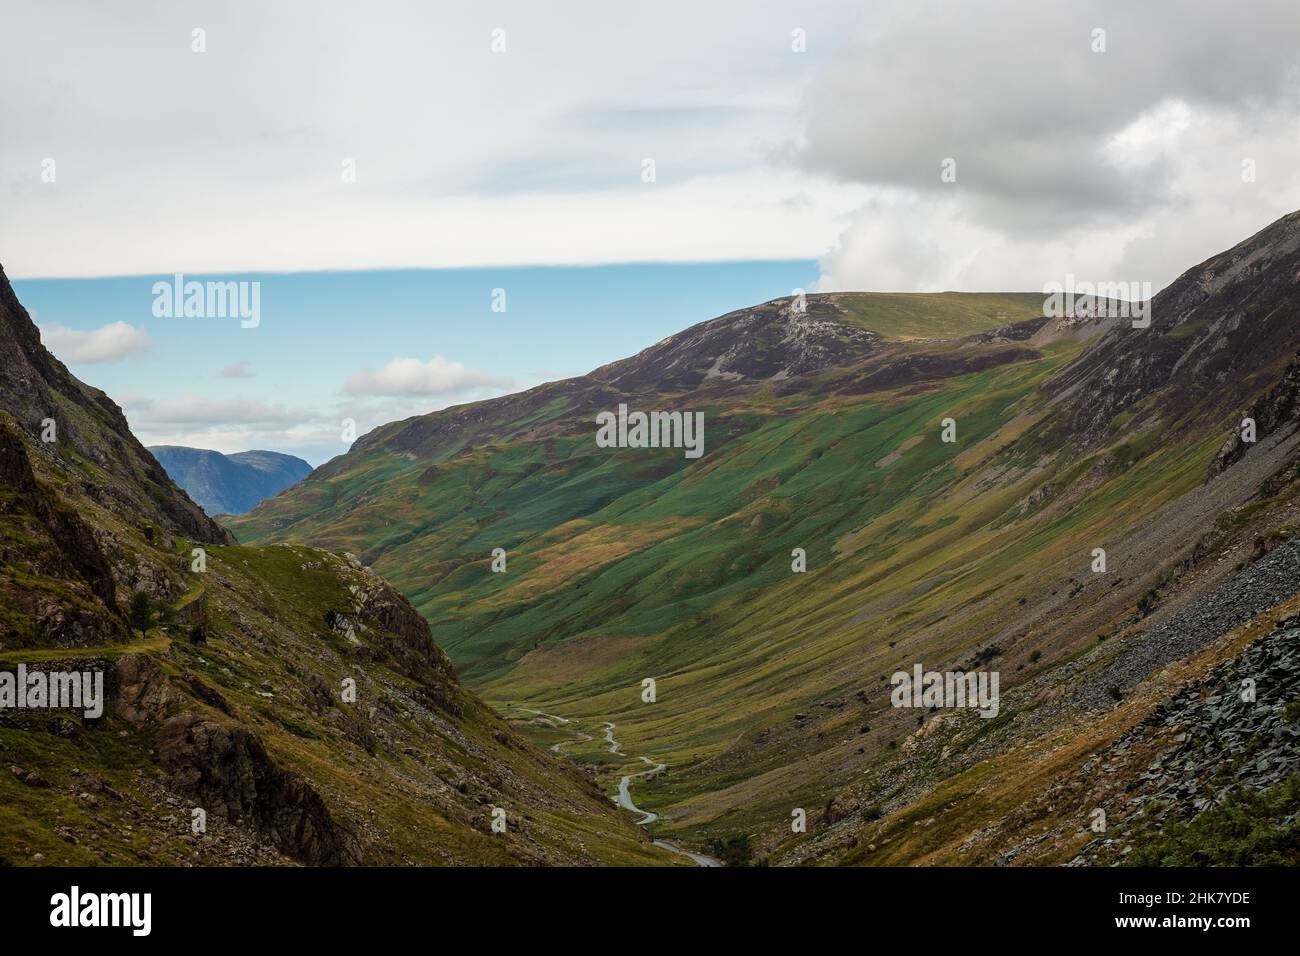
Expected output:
(1026, 331)
(64, 547)
(1078, 327)
(141, 692)
(410, 649)
(75, 541)
(34, 385)
(1213, 737)
(1270, 413)
(769, 341)
(1218, 333)
(227, 770)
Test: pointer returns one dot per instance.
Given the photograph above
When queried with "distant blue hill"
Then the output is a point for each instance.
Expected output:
(230, 484)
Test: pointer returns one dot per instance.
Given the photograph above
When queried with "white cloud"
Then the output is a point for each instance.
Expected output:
(192, 410)
(234, 424)
(515, 158)
(1124, 164)
(409, 376)
(240, 369)
(758, 213)
(108, 343)
(1126, 161)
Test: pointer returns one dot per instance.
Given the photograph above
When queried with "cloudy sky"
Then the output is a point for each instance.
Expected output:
(790, 144)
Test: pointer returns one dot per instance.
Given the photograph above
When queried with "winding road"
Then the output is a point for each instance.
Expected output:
(614, 746)
(624, 797)
(582, 738)
(559, 747)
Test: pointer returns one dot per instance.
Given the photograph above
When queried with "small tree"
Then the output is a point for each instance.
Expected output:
(140, 612)
(198, 632)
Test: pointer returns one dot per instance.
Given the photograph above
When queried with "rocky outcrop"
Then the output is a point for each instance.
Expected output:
(69, 552)
(1218, 334)
(141, 693)
(769, 341)
(399, 632)
(224, 768)
(1273, 411)
(1231, 730)
(227, 771)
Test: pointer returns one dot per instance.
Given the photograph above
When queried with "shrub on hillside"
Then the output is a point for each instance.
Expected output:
(1249, 829)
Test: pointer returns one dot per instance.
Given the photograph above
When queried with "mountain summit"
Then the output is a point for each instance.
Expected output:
(230, 484)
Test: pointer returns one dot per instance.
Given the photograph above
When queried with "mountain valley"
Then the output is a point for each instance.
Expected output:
(482, 636)
(562, 577)
(277, 705)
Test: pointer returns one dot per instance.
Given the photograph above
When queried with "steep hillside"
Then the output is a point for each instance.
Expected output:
(1220, 335)
(824, 434)
(292, 696)
(1157, 739)
(230, 484)
(90, 437)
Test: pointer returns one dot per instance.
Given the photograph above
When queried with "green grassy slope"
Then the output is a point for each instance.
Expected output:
(640, 563)
(410, 772)
(772, 686)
